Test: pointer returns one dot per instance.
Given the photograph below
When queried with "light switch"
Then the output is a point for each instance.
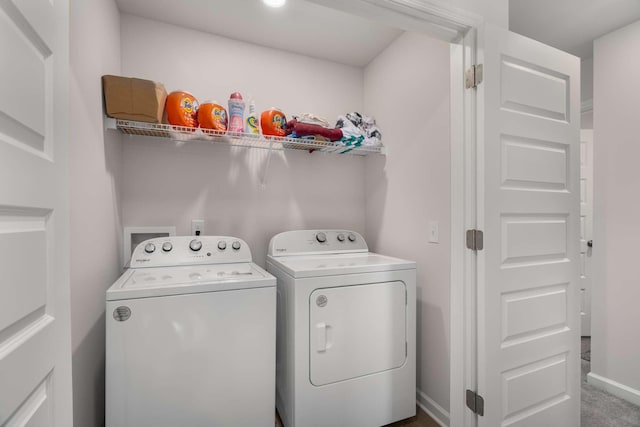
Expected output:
(434, 232)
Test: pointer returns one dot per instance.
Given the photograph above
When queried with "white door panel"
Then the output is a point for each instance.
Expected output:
(23, 256)
(27, 86)
(549, 100)
(356, 331)
(528, 208)
(35, 346)
(520, 157)
(586, 228)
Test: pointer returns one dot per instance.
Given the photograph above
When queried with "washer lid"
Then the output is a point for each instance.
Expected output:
(163, 281)
(335, 264)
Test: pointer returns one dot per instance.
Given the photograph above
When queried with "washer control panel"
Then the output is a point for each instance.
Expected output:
(304, 242)
(190, 250)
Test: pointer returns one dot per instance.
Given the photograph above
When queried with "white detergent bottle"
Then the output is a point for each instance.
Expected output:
(251, 126)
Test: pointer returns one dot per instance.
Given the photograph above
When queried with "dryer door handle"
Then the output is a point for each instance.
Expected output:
(322, 337)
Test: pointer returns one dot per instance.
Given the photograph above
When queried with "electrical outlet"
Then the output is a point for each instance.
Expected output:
(434, 232)
(197, 227)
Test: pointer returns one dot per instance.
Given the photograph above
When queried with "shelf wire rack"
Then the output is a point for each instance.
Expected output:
(185, 134)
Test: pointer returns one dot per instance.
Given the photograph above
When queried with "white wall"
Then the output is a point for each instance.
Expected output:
(586, 92)
(616, 291)
(168, 184)
(586, 79)
(407, 89)
(586, 120)
(95, 213)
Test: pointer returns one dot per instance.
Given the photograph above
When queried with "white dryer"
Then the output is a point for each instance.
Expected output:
(346, 331)
(191, 337)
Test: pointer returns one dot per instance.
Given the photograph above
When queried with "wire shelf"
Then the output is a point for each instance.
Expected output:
(184, 134)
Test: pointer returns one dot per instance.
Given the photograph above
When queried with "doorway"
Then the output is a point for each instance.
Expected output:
(515, 322)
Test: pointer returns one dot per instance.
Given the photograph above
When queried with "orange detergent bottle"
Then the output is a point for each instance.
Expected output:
(212, 115)
(182, 109)
(273, 122)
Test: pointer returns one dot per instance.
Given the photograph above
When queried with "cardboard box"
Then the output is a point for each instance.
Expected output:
(133, 99)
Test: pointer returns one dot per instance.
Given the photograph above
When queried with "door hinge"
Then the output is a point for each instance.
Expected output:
(475, 240)
(473, 76)
(475, 402)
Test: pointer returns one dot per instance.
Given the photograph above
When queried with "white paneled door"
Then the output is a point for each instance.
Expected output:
(586, 229)
(528, 272)
(35, 347)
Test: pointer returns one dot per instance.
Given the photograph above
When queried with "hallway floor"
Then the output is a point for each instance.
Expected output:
(599, 408)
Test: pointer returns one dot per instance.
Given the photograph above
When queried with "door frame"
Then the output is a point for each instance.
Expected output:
(587, 134)
(464, 216)
(459, 28)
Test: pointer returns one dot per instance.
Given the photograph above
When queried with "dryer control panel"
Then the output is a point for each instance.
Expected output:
(308, 242)
(190, 250)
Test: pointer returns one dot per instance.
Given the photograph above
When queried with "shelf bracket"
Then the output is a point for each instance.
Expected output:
(110, 123)
(263, 180)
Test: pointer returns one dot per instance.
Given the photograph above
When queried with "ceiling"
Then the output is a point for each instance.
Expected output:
(314, 30)
(571, 25)
(299, 27)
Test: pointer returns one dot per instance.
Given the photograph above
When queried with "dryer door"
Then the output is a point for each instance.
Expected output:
(356, 331)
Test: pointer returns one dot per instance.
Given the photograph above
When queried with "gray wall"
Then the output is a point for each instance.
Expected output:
(170, 184)
(407, 89)
(586, 91)
(95, 202)
(586, 79)
(616, 292)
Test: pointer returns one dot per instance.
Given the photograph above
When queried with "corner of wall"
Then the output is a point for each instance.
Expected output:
(435, 411)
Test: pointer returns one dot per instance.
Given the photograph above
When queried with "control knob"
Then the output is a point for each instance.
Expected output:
(321, 237)
(340, 237)
(149, 248)
(222, 245)
(167, 246)
(352, 237)
(235, 245)
(195, 245)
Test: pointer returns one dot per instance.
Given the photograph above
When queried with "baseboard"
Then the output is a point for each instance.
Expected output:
(620, 390)
(435, 411)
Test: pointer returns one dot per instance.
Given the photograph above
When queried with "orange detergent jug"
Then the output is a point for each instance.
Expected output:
(182, 109)
(212, 115)
(273, 122)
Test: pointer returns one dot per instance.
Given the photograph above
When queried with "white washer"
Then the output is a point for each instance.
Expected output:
(346, 331)
(191, 337)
